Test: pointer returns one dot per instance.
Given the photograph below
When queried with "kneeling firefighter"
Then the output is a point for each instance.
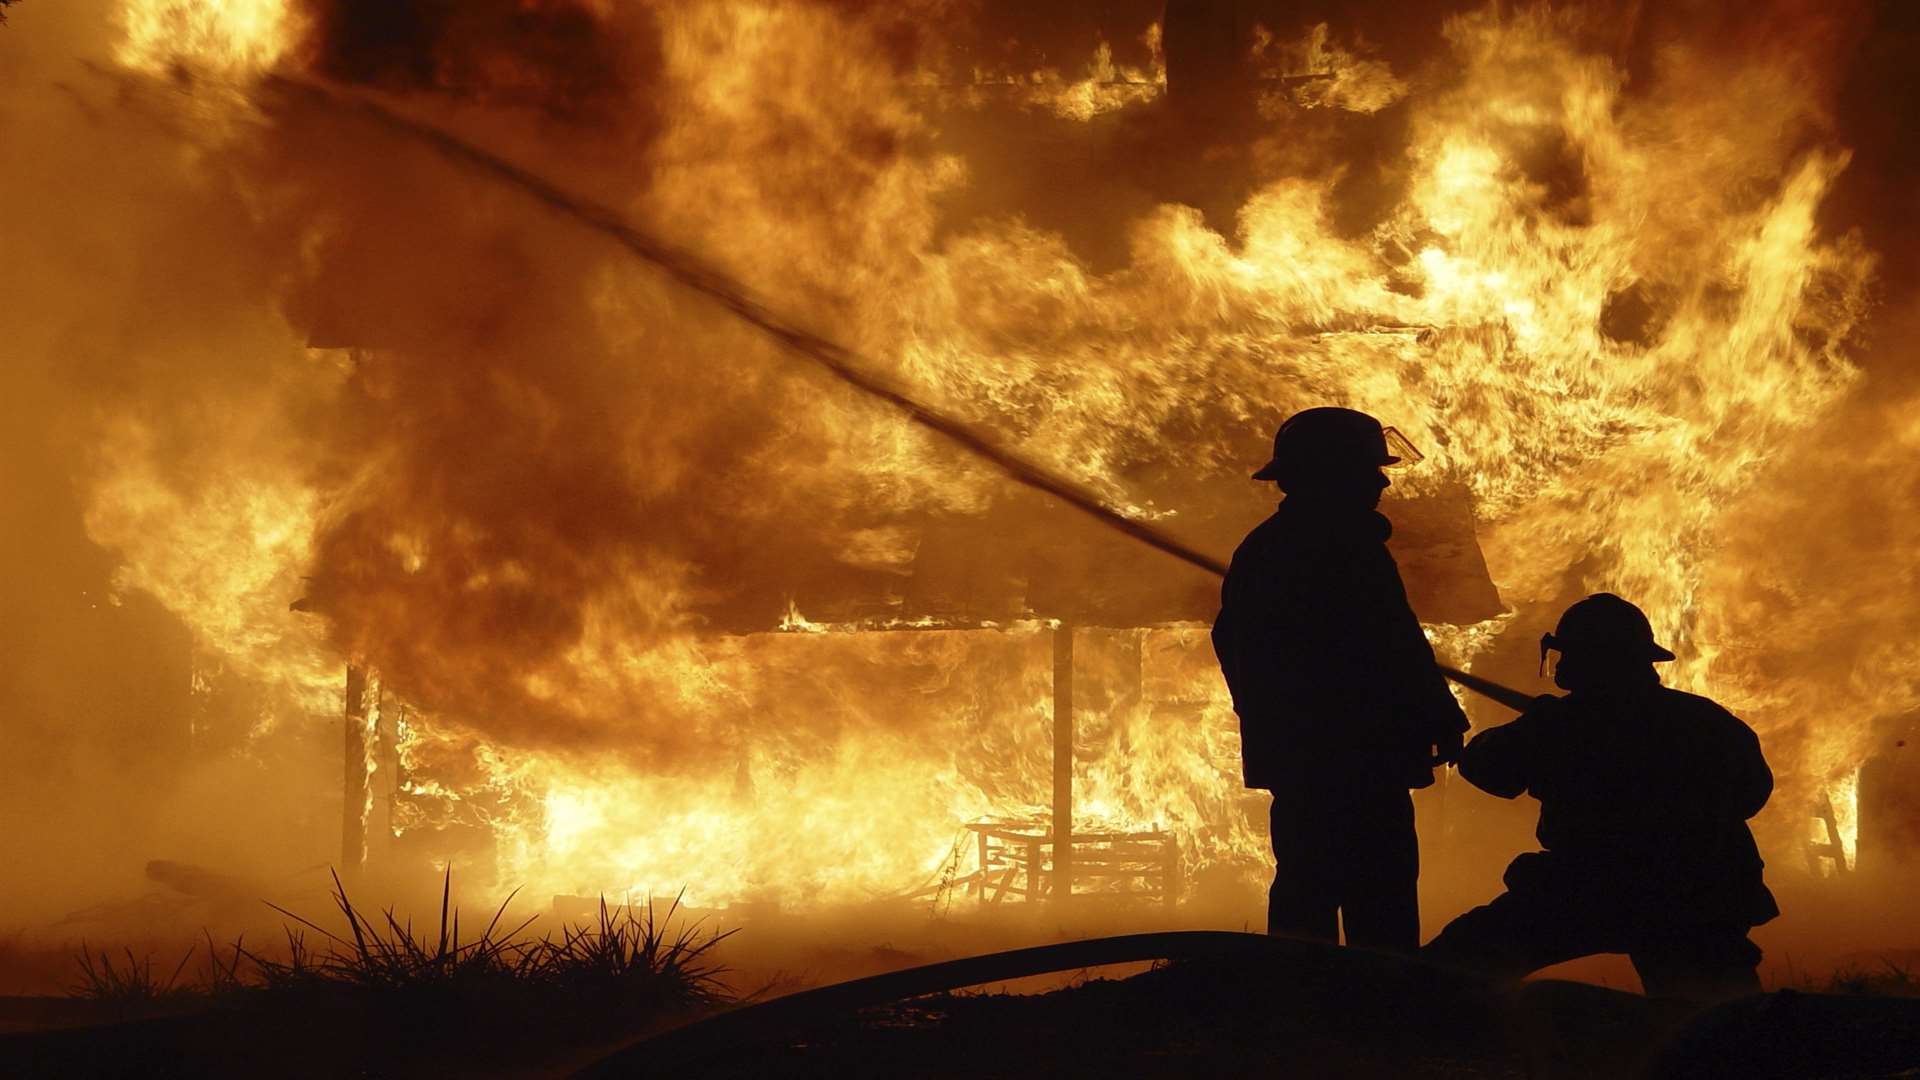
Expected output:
(1644, 798)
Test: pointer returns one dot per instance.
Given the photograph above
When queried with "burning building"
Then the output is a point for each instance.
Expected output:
(632, 599)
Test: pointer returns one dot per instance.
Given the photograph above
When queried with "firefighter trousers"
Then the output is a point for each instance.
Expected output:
(1347, 858)
(1524, 930)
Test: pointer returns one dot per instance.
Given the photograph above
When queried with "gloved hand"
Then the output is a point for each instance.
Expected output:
(1446, 750)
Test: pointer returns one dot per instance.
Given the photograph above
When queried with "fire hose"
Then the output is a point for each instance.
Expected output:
(744, 1027)
(705, 279)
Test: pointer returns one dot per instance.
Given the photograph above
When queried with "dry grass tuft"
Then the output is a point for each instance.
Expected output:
(104, 979)
(630, 964)
(1889, 980)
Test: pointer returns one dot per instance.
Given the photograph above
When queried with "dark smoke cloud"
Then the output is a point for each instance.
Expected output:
(563, 59)
(1876, 112)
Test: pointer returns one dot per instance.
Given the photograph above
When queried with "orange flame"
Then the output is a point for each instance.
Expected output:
(577, 713)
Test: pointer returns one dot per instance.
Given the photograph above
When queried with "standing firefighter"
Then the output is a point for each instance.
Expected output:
(1342, 708)
(1644, 798)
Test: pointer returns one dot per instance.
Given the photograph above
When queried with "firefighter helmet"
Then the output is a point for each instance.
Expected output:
(1605, 625)
(1329, 439)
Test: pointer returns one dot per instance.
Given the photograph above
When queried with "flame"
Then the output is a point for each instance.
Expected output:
(226, 556)
(875, 813)
(228, 36)
(576, 713)
(1846, 816)
(1104, 88)
(1325, 75)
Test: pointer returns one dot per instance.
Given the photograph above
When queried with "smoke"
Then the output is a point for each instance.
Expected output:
(133, 319)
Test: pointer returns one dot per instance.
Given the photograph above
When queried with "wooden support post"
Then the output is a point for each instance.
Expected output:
(1172, 871)
(356, 800)
(1062, 764)
(980, 887)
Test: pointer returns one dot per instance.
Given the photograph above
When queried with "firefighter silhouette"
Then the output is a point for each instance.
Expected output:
(1342, 708)
(1644, 798)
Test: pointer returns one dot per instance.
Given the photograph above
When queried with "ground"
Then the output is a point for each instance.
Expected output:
(1306, 1011)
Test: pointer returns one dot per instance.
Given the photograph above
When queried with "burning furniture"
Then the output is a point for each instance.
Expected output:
(1021, 862)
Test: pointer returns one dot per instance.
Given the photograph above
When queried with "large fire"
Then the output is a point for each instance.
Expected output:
(640, 590)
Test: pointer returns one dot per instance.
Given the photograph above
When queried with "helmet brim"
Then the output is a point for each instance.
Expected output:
(1653, 651)
(1271, 470)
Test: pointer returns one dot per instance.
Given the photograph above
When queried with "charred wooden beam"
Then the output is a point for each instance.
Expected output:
(1062, 877)
(357, 798)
